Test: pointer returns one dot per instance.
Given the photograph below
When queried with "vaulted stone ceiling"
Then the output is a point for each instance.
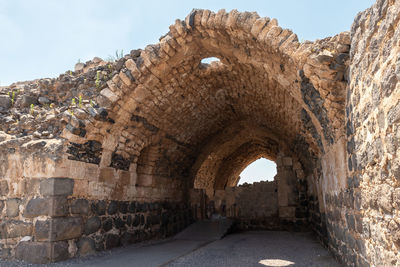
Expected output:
(265, 76)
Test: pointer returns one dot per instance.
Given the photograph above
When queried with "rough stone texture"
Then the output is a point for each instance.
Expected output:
(86, 246)
(265, 205)
(364, 217)
(42, 252)
(57, 229)
(80, 206)
(133, 137)
(5, 102)
(12, 207)
(56, 187)
(92, 225)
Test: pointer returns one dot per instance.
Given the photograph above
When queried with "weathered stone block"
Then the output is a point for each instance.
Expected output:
(28, 100)
(42, 252)
(99, 207)
(18, 229)
(119, 223)
(42, 230)
(3, 188)
(86, 246)
(394, 114)
(59, 206)
(396, 198)
(123, 207)
(111, 241)
(80, 206)
(56, 187)
(5, 253)
(66, 228)
(56, 229)
(107, 224)
(112, 208)
(385, 198)
(3, 230)
(12, 207)
(5, 102)
(92, 225)
(287, 212)
(33, 252)
(54, 206)
(37, 207)
(107, 175)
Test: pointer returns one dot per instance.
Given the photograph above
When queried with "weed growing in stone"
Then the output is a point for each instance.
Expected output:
(12, 95)
(97, 79)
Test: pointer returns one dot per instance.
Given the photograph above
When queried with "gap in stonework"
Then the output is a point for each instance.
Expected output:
(208, 60)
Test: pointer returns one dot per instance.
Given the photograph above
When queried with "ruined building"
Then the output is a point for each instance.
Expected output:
(137, 149)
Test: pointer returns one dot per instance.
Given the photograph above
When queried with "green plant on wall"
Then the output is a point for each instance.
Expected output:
(31, 109)
(12, 96)
(80, 101)
(97, 79)
(73, 102)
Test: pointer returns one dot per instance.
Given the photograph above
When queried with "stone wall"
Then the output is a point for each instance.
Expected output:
(141, 132)
(65, 226)
(45, 219)
(363, 214)
(281, 204)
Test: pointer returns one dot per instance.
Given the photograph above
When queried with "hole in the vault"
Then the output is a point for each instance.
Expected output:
(208, 60)
(259, 170)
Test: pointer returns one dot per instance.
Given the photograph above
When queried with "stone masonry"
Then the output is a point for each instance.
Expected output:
(119, 152)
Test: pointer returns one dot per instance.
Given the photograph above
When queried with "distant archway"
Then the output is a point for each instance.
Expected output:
(259, 170)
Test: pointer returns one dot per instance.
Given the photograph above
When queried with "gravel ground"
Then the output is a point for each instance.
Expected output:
(261, 248)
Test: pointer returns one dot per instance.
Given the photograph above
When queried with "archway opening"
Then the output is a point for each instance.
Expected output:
(259, 170)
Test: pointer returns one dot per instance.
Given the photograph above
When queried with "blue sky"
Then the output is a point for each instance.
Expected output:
(259, 170)
(43, 38)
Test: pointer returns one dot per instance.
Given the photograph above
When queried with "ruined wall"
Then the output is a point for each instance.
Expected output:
(364, 215)
(47, 218)
(281, 204)
(140, 130)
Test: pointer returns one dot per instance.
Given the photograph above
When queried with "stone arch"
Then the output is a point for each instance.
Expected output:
(265, 79)
(228, 173)
(164, 119)
(167, 70)
(239, 143)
